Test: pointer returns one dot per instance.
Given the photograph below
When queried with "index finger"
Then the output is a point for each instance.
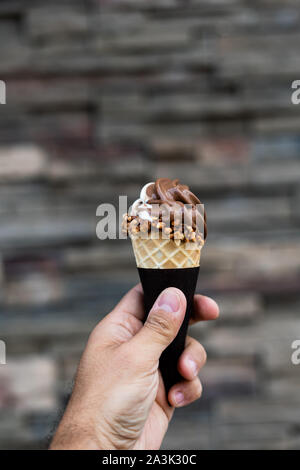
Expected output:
(133, 303)
(205, 309)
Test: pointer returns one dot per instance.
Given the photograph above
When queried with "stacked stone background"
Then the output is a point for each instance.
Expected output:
(102, 97)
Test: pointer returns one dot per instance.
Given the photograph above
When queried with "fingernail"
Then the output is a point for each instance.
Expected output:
(179, 398)
(193, 366)
(169, 301)
(213, 304)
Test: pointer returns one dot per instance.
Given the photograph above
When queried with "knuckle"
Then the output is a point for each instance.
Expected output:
(160, 324)
(198, 353)
(95, 335)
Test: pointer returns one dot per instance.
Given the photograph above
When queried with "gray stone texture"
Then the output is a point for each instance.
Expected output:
(102, 97)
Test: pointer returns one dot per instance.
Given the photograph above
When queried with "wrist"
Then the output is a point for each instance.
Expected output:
(80, 443)
(73, 436)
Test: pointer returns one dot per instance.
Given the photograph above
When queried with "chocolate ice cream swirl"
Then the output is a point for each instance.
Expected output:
(169, 207)
(173, 198)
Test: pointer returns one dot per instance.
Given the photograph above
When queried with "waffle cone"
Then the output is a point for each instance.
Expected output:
(165, 253)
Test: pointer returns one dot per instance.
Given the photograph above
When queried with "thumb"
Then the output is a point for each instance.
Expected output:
(162, 324)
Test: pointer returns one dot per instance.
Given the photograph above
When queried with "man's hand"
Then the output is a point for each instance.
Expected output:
(119, 400)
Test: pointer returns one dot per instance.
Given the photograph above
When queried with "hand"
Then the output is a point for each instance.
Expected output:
(119, 399)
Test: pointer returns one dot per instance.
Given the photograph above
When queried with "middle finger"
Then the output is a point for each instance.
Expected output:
(192, 359)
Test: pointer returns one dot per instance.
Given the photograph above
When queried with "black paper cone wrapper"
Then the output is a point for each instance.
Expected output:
(154, 281)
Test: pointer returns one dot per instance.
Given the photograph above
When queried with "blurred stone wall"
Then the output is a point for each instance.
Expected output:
(102, 97)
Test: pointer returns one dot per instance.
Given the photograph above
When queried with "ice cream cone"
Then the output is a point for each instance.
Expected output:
(165, 253)
(164, 262)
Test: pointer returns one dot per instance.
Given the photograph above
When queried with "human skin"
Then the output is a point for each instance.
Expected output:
(119, 400)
